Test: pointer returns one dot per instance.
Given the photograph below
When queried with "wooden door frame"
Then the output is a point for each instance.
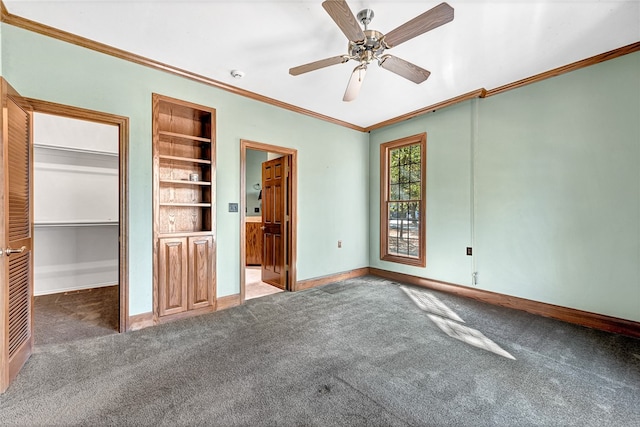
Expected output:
(293, 220)
(122, 122)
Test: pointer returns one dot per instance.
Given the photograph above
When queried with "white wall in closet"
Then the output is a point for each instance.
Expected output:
(75, 204)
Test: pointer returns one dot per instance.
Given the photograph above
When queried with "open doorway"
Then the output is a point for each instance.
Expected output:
(268, 219)
(79, 174)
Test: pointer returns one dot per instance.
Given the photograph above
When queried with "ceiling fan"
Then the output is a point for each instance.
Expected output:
(369, 45)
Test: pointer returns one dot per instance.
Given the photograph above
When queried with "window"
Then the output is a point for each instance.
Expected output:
(402, 200)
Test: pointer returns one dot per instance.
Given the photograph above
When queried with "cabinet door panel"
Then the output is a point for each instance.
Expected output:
(254, 243)
(201, 256)
(172, 276)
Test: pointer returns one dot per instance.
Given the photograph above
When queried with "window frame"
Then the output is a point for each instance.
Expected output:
(385, 189)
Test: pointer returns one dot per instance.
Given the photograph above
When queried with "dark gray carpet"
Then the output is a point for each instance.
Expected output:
(359, 352)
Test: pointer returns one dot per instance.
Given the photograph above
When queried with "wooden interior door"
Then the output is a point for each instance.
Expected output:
(16, 230)
(275, 218)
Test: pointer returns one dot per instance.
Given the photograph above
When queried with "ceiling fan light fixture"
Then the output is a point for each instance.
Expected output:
(355, 82)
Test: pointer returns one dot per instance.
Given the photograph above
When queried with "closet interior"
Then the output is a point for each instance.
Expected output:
(76, 200)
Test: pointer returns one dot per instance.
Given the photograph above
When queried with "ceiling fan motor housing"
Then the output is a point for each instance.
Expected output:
(369, 49)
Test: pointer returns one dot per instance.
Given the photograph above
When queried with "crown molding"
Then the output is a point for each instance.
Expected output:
(612, 54)
(55, 33)
(483, 93)
(479, 93)
(36, 27)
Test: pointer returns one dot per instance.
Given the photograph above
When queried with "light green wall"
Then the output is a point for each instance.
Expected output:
(554, 185)
(448, 192)
(558, 190)
(543, 181)
(332, 204)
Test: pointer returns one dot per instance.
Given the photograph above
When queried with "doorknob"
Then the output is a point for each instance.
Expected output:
(10, 251)
(263, 228)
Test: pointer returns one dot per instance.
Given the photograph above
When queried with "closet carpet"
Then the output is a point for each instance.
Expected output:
(362, 352)
(76, 315)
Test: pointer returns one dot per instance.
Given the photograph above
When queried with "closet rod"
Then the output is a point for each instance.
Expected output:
(75, 150)
(73, 223)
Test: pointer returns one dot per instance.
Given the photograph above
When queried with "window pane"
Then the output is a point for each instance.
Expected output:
(405, 155)
(415, 211)
(394, 192)
(415, 153)
(403, 229)
(393, 211)
(395, 158)
(415, 191)
(393, 176)
(412, 247)
(402, 174)
(415, 172)
(405, 191)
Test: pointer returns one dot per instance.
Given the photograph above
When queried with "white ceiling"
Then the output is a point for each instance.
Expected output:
(488, 44)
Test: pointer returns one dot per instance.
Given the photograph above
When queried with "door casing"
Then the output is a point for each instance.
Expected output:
(293, 199)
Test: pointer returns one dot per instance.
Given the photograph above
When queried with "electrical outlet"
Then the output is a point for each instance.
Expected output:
(339, 243)
(469, 251)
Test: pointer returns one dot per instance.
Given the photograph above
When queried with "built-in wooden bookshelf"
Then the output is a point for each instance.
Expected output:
(184, 207)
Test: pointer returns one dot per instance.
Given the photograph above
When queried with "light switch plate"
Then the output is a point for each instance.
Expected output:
(233, 207)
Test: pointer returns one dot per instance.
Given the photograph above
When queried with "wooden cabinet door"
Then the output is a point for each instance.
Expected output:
(172, 275)
(275, 217)
(254, 243)
(201, 287)
(16, 230)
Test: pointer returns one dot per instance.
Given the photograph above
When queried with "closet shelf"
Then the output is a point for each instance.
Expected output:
(183, 182)
(185, 234)
(184, 159)
(187, 205)
(75, 150)
(183, 136)
(74, 223)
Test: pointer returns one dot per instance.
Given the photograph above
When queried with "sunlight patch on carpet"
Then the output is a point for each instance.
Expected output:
(448, 321)
(469, 335)
(429, 303)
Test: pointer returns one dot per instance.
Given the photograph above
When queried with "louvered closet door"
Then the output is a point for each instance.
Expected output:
(17, 260)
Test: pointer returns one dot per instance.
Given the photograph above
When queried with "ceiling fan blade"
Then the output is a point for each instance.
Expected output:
(433, 18)
(343, 17)
(301, 69)
(355, 82)
(403, 68)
